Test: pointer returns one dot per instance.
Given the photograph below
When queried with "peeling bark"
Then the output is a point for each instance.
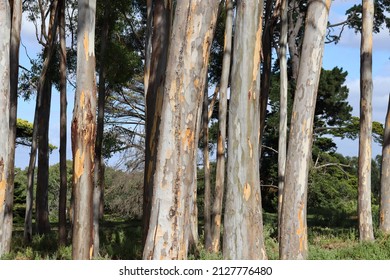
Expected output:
(84, 132)
(174, 176)
(293, 236)
(366, 232)
(243, 222)
(5, 90)
(154, 101)
(384, 218)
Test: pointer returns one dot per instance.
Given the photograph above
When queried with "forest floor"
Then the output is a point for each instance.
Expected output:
(122, 240)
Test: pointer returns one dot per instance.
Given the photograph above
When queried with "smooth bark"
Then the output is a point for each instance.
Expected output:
(243, 222)
(84, 132)
(174, 176)
(154, 101)
(99, 165)
(293, 236)
(5, 91)
(16, 21)
(384, 217)
(221, 143)
(282, 144)
(366, 232)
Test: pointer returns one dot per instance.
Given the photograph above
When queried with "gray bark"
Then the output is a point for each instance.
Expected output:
(5, 31)
(282, 150)
(154, 101)
(293, 237)
(384, 218)
(222, 113)
(174, 176)
(84, 132)
(243, 223)
(366, 232)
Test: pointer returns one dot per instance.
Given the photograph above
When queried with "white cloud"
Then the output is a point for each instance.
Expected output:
(379, 99)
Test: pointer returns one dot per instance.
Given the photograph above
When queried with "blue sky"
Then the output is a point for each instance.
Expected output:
(345, 54)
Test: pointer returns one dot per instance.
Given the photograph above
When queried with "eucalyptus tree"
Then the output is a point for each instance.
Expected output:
(174, 174)
(243, 226)
(293, 229)
(366, 232)
(84, 132)
(5, 90)
(384, 217)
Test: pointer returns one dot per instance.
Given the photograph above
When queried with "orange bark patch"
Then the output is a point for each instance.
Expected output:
(3, 184)
(301, 228)
(247, 191)
(250, 148)
(78, 164)
(86, 46)
(256, 59)
(188, 138)
(82, 99)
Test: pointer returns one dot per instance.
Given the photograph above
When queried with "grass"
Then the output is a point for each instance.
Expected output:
(120, 239)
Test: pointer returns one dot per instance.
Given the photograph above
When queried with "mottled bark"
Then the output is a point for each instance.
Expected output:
(243, 222)
(174, 176)
(282, 149)
(5, 31)
(384, 217)
(83, 132)
(62, 234)
(154, 101)
(366, 232)
(99, 165)
(293, 237)
(221, 143)
(16, 20)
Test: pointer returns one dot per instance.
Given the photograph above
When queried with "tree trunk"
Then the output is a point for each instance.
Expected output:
(174, 176)
(384, 221)
(99, 168)
(243, 222)
(267, 65)
(293, 237)
(62, 234)
(42, 206)
(84, 132)
(206, 168)
(16, 17)
(282, 150)
(154, 101)
(295, 23)
(48, 52)
(148, 41)
(42, 192)
(366, 232)
(5, 31)
(222, 112)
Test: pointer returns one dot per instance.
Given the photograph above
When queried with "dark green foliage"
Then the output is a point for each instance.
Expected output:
(381, 16)
(123, 194)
